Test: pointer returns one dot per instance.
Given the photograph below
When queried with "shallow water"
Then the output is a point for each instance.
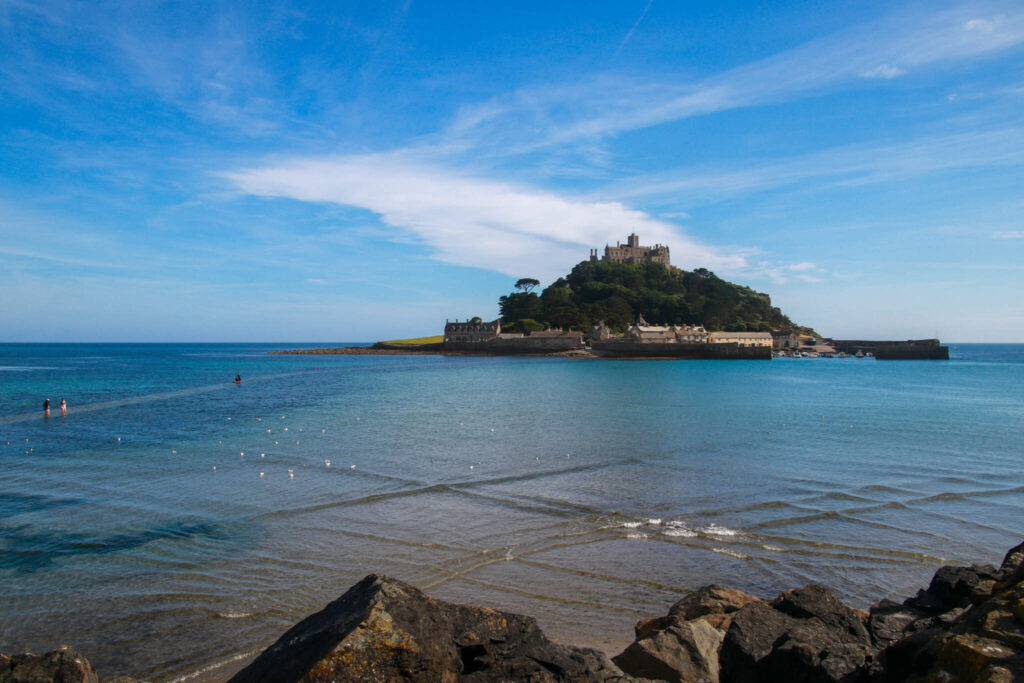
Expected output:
(589, 494)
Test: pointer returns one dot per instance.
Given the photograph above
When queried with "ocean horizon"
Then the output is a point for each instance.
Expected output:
(174, 521)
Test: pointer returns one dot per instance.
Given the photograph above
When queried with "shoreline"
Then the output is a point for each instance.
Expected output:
(922, 349)
(964, 627)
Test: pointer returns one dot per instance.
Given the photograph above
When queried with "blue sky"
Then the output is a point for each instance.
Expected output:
(355, 171)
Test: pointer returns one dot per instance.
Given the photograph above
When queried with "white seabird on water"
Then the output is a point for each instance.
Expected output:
(327, 463)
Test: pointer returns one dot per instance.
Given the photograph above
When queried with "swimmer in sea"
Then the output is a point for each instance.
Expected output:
(46, 408)
(63, 408)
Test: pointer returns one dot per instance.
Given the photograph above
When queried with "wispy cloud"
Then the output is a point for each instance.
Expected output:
(1008, 235)
(470, 221)
(851, 164)
(805, 271)
(883, 71)
(558, 114)
(632, 30)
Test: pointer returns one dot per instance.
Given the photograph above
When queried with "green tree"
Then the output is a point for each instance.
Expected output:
(527, 284)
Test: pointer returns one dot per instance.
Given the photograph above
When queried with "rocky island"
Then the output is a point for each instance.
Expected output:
(967, 626)
(602, 307)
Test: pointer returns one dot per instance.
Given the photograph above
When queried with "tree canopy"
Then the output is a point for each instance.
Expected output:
(526, 284)
(618, 292)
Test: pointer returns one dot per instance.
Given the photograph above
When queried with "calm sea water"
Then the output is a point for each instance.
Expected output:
(174, 521)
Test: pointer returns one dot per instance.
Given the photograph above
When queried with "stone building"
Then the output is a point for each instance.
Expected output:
(599, 332)
(743, 338)
(471, 330)
(640, 331)
(632, 252)
(785, 340)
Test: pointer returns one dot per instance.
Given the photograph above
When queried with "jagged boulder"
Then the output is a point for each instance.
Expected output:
(384, 630)
(805, 634)
(981, 643)
(62, 665)
(683, 645)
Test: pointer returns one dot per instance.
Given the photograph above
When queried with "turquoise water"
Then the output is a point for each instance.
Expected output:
(587, 493)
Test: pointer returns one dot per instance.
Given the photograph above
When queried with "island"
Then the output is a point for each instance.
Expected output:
(602, 309)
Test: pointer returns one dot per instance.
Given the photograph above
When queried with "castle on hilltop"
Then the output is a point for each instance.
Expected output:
(632, 252)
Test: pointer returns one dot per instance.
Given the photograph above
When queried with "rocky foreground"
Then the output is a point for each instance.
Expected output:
(966, 627)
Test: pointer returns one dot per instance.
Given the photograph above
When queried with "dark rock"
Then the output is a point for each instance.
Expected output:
(384, 630)
(813, 652)
(889, 621)
(711, 599)
(818, 601)
(1012, 569)
(751, 636)
(63, 665)
(804, 635)
(684, 644)
(980, 641)
(962, 586)
(683, 652)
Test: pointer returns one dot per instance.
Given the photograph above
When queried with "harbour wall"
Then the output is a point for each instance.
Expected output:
(726, 351)
(518, 346)
(912, 349)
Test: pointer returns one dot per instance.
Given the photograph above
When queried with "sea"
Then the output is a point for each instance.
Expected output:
(174, 523)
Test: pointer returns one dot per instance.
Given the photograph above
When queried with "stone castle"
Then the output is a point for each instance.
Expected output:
(632, 252)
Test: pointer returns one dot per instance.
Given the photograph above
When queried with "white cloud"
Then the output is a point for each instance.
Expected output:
(554, 115)
(985, 25)
(805, 271)
(883, 71)
(1008, 235)
(850, 164)
(513, 229)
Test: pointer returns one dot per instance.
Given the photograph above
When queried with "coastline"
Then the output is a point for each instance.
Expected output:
(963, 628)
(923, 349)
(391, 351)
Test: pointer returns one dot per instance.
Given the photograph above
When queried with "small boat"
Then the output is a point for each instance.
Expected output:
(859, 354)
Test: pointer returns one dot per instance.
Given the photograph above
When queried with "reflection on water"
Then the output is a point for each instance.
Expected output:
(174, 520)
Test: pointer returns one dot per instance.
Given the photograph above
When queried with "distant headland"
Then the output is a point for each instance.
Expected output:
(602, 309)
